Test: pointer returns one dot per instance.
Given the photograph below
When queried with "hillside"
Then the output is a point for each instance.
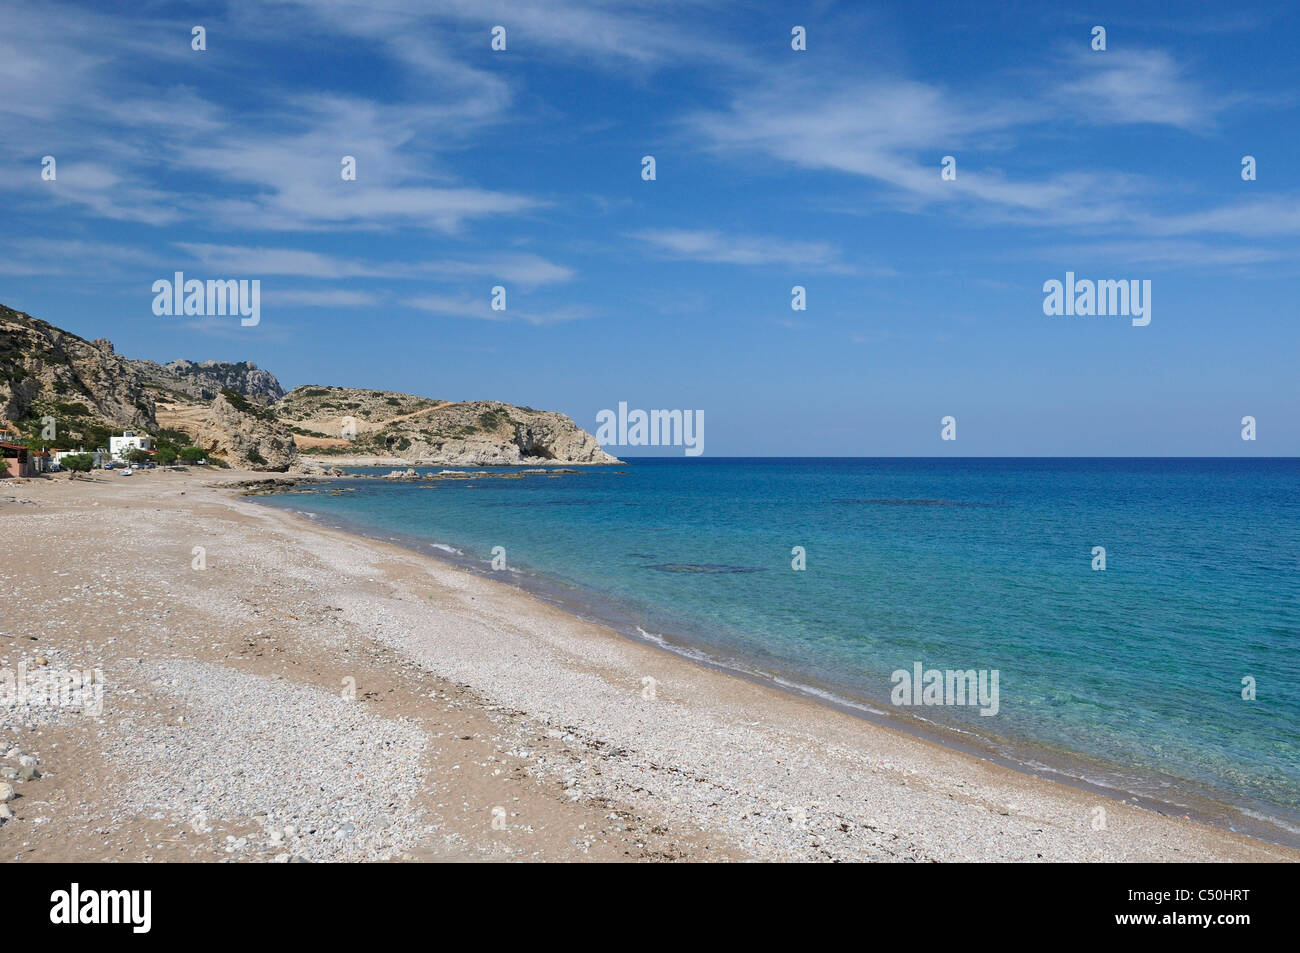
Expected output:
(351, 422)
(90, 392)
(240, 413)
(85, 386)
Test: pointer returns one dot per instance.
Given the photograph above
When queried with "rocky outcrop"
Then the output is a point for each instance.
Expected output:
(84, 385)
(554, 443)
(356, 424)
(205, 380)
(547, 435)
(244, 436)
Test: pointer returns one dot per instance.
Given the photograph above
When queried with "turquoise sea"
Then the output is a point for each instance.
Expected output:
(1129, 680)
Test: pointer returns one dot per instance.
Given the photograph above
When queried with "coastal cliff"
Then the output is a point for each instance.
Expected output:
(239, 413)
(345, 424)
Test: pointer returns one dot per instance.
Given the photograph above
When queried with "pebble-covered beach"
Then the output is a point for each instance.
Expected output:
(274, 690)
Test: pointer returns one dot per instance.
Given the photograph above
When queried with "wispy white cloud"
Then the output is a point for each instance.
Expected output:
(525, 269)
(517, 268)
(714, 246)
(175, 153)
(893, 132)
(1144, 87)
(1173, 254)
(591, 33)
(290, 173)
(100, 190)
(86, 259)
(247, 260)
(1277, 215)
(168, 154)
(480, 309)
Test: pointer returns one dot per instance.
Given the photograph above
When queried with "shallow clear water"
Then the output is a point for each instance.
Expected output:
(957, 564)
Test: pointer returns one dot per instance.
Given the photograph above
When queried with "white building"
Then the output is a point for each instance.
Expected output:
(117, 446)
(101, 456)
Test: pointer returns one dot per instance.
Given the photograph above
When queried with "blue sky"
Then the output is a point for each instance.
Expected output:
(775, 168)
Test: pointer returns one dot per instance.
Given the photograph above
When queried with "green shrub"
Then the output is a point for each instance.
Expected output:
(236, 399)
(93, 435)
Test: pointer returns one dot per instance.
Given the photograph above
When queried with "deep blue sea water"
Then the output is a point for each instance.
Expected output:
(1129, 678)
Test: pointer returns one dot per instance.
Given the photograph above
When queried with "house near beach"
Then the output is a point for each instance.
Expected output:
(118, 446)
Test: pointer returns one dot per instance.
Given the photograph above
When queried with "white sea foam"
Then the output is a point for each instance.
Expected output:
(660, 641)
(824, 695)
(1270, 819)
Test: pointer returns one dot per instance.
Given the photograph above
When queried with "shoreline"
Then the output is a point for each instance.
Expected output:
(1185, 798)
(308, 464)
(709, 766)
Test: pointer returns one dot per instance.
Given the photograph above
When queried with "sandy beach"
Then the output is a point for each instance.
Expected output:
(275, 690)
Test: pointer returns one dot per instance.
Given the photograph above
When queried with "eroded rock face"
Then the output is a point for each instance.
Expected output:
(393, 427)
(250, 438)
(561, 441)
(551, 436)
(45, 370)
(205, 380)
